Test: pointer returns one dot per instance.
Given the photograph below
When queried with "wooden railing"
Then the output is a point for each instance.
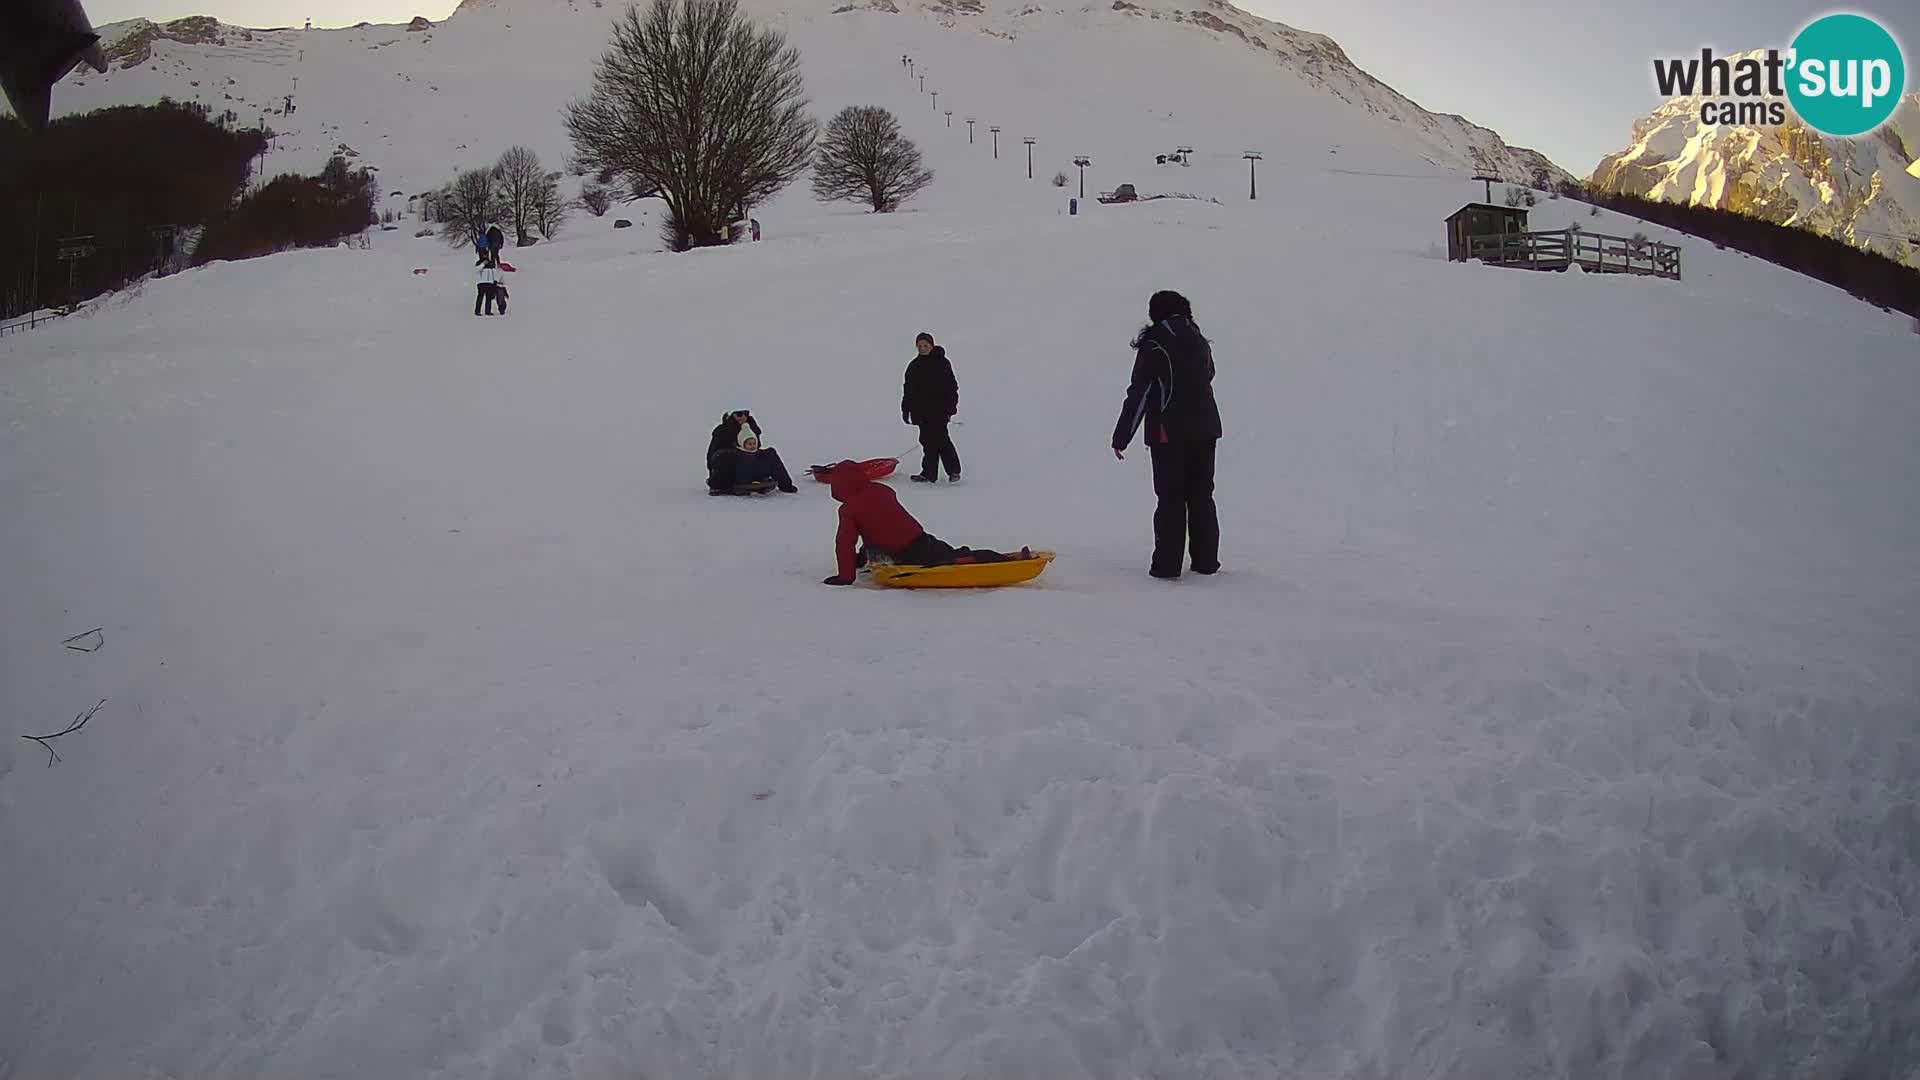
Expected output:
(26, 322)
(1594, 252)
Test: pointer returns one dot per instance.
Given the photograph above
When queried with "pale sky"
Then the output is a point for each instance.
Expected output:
(1565, 77)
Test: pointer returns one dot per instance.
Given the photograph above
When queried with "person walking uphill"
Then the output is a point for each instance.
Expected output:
(928, 401)
(1172, 396)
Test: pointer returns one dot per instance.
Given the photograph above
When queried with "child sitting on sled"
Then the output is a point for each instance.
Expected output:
(870, 512)
(730, 462)
(756, 463)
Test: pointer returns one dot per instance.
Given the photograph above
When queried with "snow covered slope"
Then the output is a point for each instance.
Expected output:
(419, 102)
(1865, 190)
(1555, 714)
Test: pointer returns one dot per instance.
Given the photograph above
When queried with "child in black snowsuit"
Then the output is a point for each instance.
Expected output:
(757, 463)
(928, 399)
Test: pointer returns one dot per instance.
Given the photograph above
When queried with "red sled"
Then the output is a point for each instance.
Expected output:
(875, 468)
(507, 266)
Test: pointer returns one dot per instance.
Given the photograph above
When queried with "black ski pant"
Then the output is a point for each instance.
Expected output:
(1183, 480)
(929, 550)
(762, 464)
(485, 294)
(937, 449)
(729, 466)
(721, 467)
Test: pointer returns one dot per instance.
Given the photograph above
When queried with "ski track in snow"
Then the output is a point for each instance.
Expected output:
(1556, 714)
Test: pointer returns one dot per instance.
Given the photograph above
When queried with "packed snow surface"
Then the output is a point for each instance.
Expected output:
(1556, 713)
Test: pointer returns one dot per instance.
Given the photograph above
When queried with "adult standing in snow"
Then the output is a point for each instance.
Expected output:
(484, 278)
(1172, 395)
(928, 399)
(487, 272)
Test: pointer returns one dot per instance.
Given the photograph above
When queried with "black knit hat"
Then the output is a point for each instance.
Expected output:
(923, 336)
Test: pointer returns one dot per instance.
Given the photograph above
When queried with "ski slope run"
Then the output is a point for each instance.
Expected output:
(1117, 81)
(1555, 714)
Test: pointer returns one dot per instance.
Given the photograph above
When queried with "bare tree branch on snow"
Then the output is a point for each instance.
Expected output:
(46, 741)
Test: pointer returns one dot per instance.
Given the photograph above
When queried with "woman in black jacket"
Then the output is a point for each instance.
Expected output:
(1172, 396)
(928, 401)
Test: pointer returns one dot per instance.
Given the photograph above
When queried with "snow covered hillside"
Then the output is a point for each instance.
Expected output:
(1865, 190)
(419, 102)
(1555, 714)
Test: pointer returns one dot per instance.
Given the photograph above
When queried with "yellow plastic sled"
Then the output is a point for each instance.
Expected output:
(964, 576)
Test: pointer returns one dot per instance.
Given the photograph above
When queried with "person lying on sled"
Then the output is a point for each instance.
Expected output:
(870, 512)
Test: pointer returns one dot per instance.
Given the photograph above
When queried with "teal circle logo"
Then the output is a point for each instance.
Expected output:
(1845, 75)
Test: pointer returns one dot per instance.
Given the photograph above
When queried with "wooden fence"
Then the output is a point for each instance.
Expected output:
(1594, 252)
(26, 322)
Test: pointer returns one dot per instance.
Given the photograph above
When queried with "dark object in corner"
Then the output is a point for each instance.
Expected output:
(40, 41)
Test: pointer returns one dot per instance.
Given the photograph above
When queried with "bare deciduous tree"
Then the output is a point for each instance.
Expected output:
(521, 180)
(549, 209)
(693, 101)
(865, 158)
(466, 206)
(596, 199)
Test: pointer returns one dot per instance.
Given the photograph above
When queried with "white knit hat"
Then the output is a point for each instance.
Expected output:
(746, 432)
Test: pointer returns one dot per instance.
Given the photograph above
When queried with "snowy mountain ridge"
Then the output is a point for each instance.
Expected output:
(327, 74)
(1865, 190)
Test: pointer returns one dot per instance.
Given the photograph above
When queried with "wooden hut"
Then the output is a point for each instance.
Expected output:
(1481, 219)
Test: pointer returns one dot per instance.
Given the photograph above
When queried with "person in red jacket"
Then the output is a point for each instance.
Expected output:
(871, 513)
